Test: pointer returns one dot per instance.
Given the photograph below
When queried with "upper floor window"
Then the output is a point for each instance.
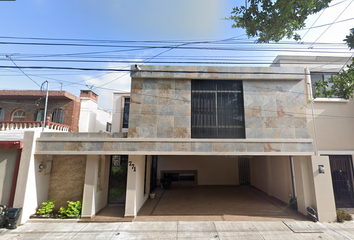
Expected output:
(126, 112)
(58, 116)
(18, 115)
(217, 109)
(2, 114)
(39, 115)
(315, 77)
(108, 127)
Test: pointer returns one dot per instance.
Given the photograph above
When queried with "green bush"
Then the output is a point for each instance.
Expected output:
(46, 209)
(73, 210)
(343, 216)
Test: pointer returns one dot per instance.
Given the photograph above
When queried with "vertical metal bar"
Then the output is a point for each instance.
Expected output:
(308, 78)
(45, 107)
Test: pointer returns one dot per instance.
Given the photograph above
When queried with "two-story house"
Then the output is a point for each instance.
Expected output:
(23, 111)
(197, 126)
(330, 122)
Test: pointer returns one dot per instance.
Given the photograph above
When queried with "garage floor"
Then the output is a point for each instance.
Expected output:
(215, 203)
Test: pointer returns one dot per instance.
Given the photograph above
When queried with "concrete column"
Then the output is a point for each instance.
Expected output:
(325, 202)
(135, 196)
(304, 185)
(88, 202)
(26, 189)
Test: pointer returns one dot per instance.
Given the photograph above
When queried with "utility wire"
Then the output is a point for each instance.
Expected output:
(331, 24)
(9, 56)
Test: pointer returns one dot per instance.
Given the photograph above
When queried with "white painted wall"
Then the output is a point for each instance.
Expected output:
(93, 118)
(212, 170)
(94, 198)
(117, 116)
(135, 196)
(26, 194)
(272, 175)
(7, 167)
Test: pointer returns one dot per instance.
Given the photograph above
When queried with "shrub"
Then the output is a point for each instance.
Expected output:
(73, 210)
(46, 209)
(343, 216)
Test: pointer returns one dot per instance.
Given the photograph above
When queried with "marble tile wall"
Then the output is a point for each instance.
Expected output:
(275, 109)
(131, 147)
(160, 108)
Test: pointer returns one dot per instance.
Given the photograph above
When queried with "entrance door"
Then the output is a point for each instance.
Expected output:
(342, 179)
(118, 179)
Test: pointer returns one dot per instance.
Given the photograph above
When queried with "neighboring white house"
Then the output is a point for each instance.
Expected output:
(92, 117)
(120, 118)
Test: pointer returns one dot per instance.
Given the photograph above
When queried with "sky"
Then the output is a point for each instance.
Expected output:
(114, 34)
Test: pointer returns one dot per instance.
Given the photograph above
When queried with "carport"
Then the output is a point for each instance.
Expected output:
(215, 203)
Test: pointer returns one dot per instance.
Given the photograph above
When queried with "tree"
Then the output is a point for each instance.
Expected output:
(270, 20)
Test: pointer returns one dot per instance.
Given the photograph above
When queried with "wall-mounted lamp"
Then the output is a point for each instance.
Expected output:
(41, 167)
(321, 169)
(130, 163)
(133, 167)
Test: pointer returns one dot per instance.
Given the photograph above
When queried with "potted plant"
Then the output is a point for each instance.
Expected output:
(152, 195)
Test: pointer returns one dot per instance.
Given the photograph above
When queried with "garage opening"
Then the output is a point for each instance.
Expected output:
(222, 188)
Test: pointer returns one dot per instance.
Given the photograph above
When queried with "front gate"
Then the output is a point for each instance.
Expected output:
(342, 179)
(118, 179)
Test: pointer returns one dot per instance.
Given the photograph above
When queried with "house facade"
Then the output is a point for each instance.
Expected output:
(196, 125)
(330, 122)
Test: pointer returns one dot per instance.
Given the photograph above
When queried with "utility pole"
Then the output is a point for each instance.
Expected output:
(45, 107)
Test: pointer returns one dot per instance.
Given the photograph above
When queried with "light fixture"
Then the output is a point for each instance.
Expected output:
(130, 163)
(41, 167)
(321, 169)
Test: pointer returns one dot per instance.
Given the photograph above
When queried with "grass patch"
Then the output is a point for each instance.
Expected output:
(114, 193)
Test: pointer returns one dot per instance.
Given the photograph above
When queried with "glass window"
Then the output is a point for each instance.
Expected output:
(315, 77)
(2, 114)
(18, 115)
(217, 109)
(39, 115)
(126, 112)
(58, 116)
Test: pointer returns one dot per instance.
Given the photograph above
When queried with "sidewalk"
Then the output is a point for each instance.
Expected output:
(182, 230)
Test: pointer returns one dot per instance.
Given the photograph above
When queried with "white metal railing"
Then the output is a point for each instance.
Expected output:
(27, 125)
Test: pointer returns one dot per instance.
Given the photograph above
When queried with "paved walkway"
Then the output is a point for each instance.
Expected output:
(182, 230)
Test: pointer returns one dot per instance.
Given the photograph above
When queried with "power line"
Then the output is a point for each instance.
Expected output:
(332, 23)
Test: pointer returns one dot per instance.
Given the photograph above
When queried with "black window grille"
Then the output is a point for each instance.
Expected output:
(2, 114)
(315, 77)
(39, 115)
(126, 112)
(217, 109)
(58, 116)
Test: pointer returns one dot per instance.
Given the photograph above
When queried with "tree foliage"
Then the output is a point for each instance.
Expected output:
(270, 20)
(273, 20)
(342, 85)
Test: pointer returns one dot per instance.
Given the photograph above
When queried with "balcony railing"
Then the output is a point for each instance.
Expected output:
(27, 125)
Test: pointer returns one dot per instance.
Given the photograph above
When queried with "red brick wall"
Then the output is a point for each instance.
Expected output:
(71, 109)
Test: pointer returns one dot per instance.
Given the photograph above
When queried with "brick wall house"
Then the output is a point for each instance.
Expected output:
(28, 105)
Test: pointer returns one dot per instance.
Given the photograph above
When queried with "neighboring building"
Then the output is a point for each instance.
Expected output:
(121, 103)
(196, 125)
(334, 122)
(92, 117)
(22, 111)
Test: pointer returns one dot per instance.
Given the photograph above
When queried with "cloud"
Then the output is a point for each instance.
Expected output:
(108, 83)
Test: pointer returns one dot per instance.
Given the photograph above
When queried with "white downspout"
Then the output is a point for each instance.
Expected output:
(308, 80)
